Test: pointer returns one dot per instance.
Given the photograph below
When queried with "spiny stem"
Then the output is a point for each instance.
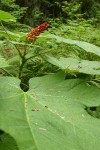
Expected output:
(24, 60)
(21, 67)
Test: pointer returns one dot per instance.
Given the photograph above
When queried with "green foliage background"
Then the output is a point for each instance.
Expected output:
(35, 12)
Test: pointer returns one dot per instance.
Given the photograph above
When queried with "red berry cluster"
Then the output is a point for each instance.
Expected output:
(36, 31)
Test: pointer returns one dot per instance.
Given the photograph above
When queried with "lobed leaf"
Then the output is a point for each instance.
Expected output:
(51, 115)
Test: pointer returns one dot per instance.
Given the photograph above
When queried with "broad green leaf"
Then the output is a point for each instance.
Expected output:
(74, 65)
(51, 115)
(5, 16)
(13, 115)
(3, 62)
(84, 45)
(12, 35)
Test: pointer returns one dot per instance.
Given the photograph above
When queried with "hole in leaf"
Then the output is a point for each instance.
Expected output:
(94, 111)
(93, 108)
(24, 85)
(7, 142)
(1, 132)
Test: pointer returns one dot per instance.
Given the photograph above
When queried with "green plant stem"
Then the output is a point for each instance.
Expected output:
(7, 72)
(23, 60)
(21, 56)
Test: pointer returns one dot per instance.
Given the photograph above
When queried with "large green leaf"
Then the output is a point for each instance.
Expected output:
(75, 65)
(51, 115)
(5, 16)
(84, 45)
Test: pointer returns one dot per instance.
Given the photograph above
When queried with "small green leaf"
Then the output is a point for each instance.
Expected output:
(7, 17)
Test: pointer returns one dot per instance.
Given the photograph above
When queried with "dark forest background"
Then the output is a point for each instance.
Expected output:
(33, 12)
